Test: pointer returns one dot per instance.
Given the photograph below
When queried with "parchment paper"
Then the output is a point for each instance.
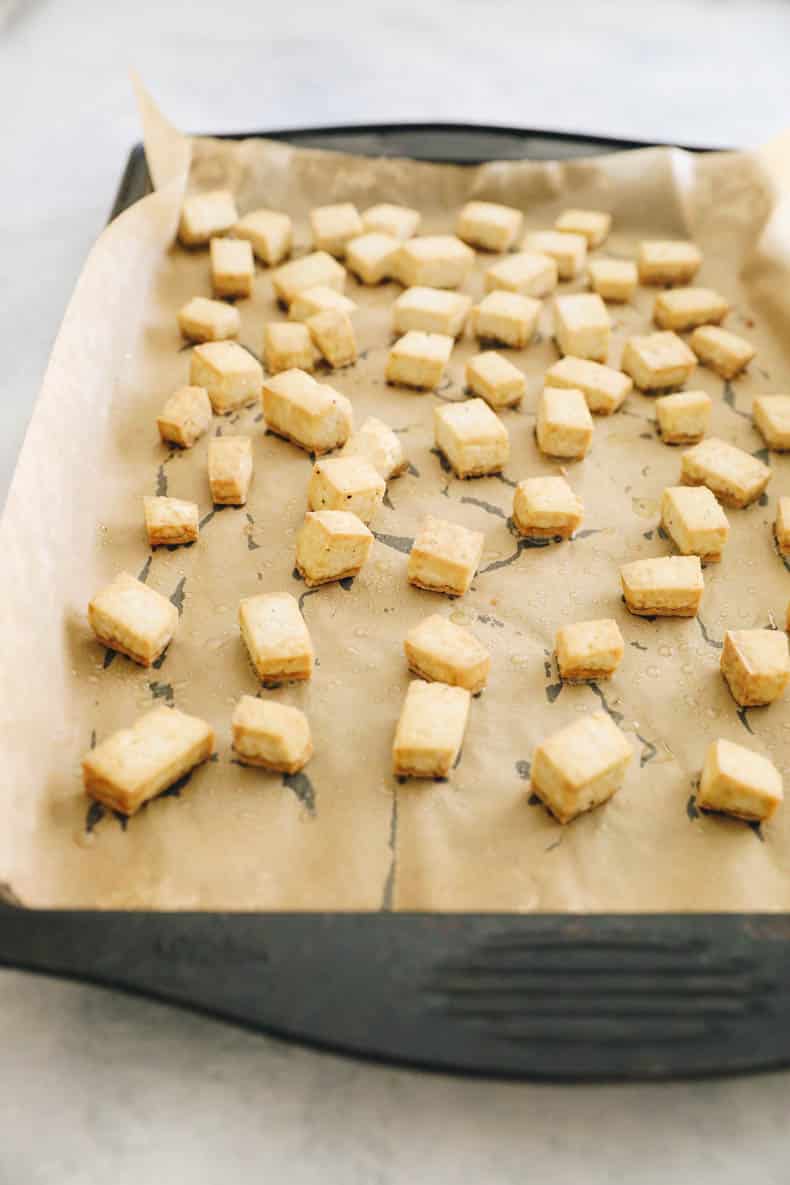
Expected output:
(346, 835)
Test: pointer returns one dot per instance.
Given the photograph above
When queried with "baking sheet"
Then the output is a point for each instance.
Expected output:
(345, 835)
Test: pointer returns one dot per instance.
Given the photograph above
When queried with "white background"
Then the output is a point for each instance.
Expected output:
(96, 1087)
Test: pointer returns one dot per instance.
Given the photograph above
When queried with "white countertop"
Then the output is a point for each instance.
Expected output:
(100, 1087)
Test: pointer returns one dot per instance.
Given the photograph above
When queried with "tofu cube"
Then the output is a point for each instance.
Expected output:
(489, 225)
(311, 271)
(229, 374)
(333, 335)
(589, 650)
(346, 483)
(204, 320)
(334, 226)
(430, 730)
(378, 444)
(133, 619)
(472, 438)
(135, 764)
(444, 557)
(271, 735)
(288, 345)
(496, 379)
(431, 310)
(319, 300)
(582, 326)
(232, 267)
(580, 766)
(546, 508)
(399, 221)
(593, 224)
(782, 525)
(734, 476)
(683, 418)
(604, 388)
(695, 522)
(771, 415)
(658, 361)
(441, 652)
(185, 416)
(205, 215)
(276, 637)
(668, 262)
(418, 359)
(614, 280)
(506, 317)
(564, 425)
(170, 521)
(755, 665)
(569, 251)
(666, 586)
(331, 545)
(686, 308)
(434, 261)
(372, 257)
(722, 351)
(529, 273)
(739, 782)
(269, 232)
(311, 415)
(229, 469)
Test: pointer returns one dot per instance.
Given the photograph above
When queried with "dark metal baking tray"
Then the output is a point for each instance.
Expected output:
(555, 997)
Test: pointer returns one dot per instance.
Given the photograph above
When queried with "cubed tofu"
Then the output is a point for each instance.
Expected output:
(311, 415)
(276, 637)
(232, 267)
(695, 522)
(333, 335)
(739, 782)
(434, 261)
(204, 320)
(269, 232)
(205, 215)
(589, 650)
(401, 222)
(496, 379)
(229, 374)
(271, 735)
(378, 444)
(593, 224)
(582, 326)
(668, 262)
(546, 508)
(418, 359)
(431, 310)
(564, 426)
(580, 766)
(229, 469)
(331, 545)
(734, 476)
(755, 665)
(311, 271)
(507, 318)
(722, 351)
(430, 730)
(658, 361)
(683, 418)
(489, 225)
(614, 280)
(472, 438)
(346, 483)
(604, 389)
(530, 273)
(133, 619)
(569, 251)
(782, 525)
(372, 257)
(135, 764)
(288, 345)
(666, 586)
(686, 308)
(441, 652)
(334, 226)
(444, 557)
(319, 300)
(170, 521)
(771, 414)
(185, 416)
